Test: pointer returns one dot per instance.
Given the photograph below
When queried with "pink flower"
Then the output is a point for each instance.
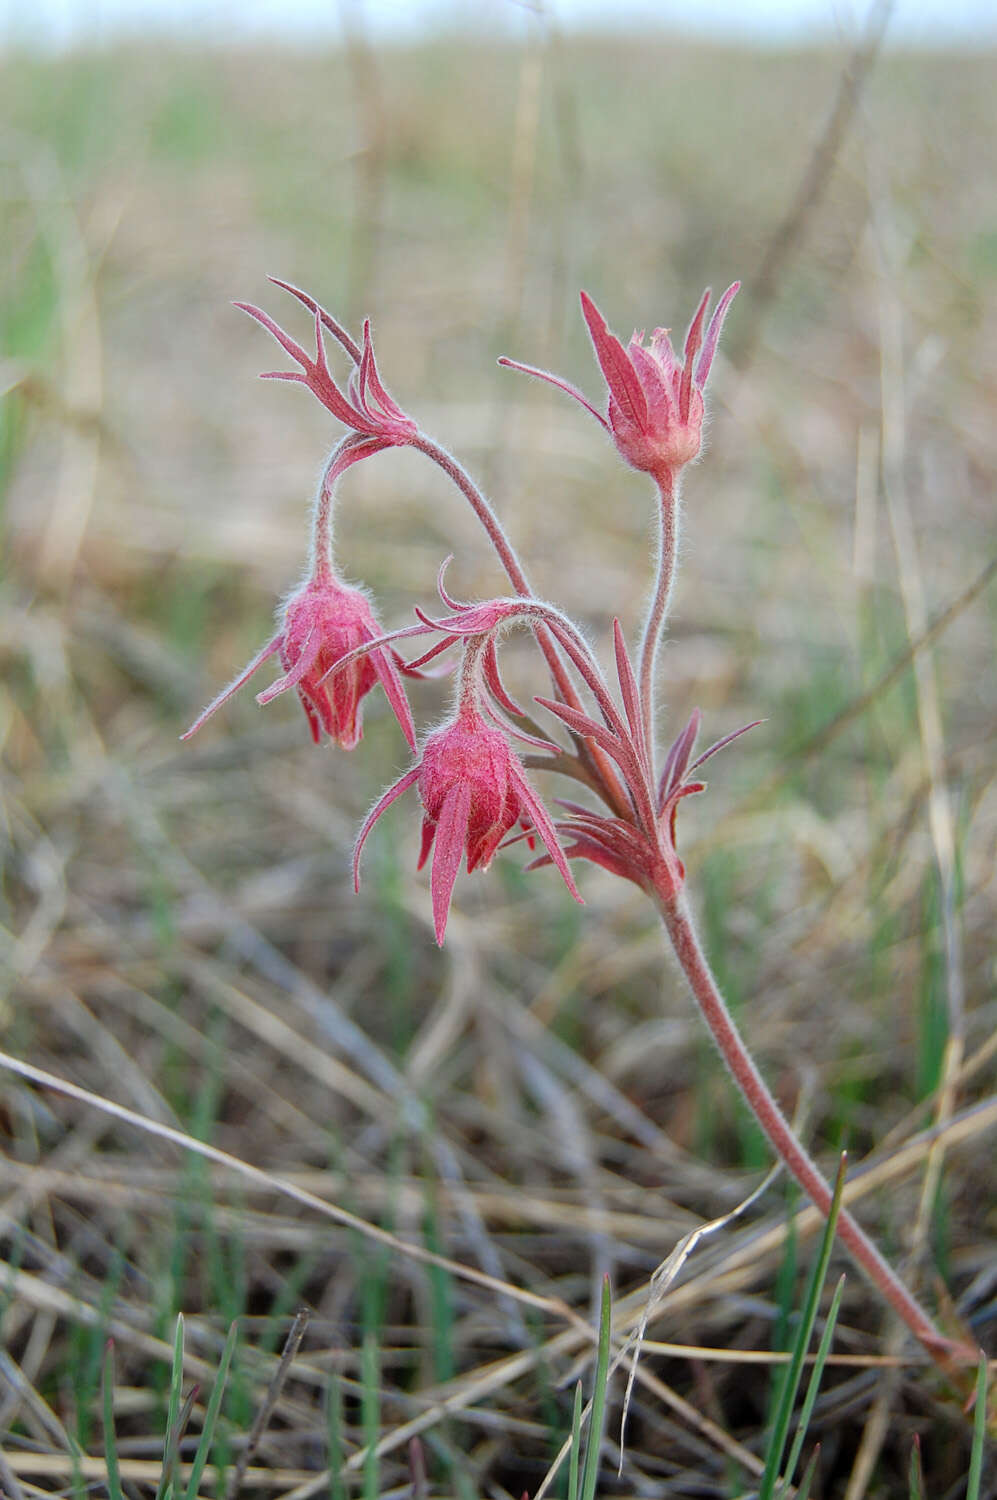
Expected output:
(366, 406)
(324, 621)
(474, 791)
(655, 412)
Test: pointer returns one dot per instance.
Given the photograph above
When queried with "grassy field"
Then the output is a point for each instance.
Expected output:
(538, 1101)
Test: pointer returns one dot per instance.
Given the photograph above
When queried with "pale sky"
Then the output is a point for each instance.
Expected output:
(63, 22)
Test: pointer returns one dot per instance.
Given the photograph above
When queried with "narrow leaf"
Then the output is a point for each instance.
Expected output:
(979, 1434)
(310, 647)
(544, 825)
(233, 687)
(370, 1407)
(677, 759)
(334, 1423)
(597, 1416)
(915, 1473)
(576, 1439)
(110, 1439)
(211, 1415)
(173, 1413)
(816, 1375)
(806, 1483)
(494, 680)
(451, 839)
(780, 1426)
(394, 690)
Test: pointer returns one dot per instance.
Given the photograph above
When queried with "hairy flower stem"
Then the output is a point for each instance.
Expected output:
(679, 924)
(657, 613)
(489, 520)
(322, 565)
(455, 471)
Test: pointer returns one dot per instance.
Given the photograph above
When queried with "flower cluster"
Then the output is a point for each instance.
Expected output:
(475, 793)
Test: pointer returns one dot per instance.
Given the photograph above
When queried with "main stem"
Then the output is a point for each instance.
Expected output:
(657, 611)
(678, 921)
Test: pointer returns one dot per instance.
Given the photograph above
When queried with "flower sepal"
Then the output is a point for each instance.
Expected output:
(474, 792)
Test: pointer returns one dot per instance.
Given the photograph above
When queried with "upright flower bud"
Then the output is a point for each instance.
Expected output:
(655, 411)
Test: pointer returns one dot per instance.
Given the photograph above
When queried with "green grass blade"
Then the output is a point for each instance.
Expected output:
(576, 1441)
(334, 1423)
(186, 1411)
(979, 1434)
(110, 1440)
(211, 1415)
(444, 1340)
(806, 1411)
(915, 1473)
(370, 1414)
(808, 1475)
(597, 1415)
(165, 1486)
(780, 1426)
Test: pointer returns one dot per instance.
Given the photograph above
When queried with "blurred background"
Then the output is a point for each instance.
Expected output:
(179, 930)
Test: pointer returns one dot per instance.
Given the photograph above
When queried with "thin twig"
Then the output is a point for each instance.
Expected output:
(291, 1346)
(331, 1211)
(815, 180)
(813, 746)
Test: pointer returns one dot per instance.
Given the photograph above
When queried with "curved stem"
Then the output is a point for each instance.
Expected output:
(610, 787)
(489, 520)
(678, 921)
(322, 564)
(657, 610)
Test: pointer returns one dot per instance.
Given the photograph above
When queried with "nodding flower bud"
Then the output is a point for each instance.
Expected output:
(655, 412)
(474, 791)
(323, 621)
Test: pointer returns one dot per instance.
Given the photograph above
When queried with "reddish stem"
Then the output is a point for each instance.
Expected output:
(489, 520)
(678, 921)
(657, 612)
(322, 565)
(609, 781)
